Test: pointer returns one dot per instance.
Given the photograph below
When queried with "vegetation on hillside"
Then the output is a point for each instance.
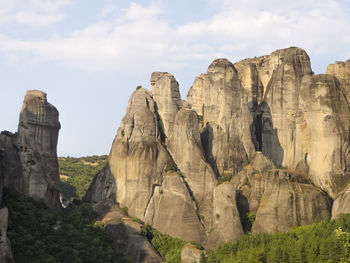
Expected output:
(77, 174)
(325, 241)
(70, 235)
(168, 247)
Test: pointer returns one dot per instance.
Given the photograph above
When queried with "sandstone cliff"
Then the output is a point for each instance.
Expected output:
(277, 133)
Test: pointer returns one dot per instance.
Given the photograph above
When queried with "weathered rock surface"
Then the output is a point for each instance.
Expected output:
(217, 97)
(166, 94)
(322, 136)
(38, 134)
(191, 254)
(126, 234)
(10, 163)
(227, 226)
(341, 70)
(289, 199)
(281, 198)
(173, 211)
(5, 245)
(186, 150)
(102, 187)
(280, 73)
(341, 204)
(137, 158)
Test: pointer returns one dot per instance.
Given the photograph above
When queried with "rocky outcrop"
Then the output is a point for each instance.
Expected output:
(281, 198)
(341, 70)
(276, 132)
(166, 94)
(173, 211)
(280, 73)
(5, 245)
(102, 187)
(10, 163)
(289, 199)
(322, 134)
(191, 254)
(341, 204)
(137, 158)
(38, 134)
(227, 226)
(126, 234)
(186, 149)
(217, 97)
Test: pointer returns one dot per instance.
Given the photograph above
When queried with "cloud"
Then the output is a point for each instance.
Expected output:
(34, 13)
(34, 19)
(141, 38)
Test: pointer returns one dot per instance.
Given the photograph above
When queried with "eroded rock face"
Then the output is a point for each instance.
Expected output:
(227, 226)
(217, 97)
(137, 158)
(166, 94)
(281, 198)
(341, 204)
(38, 134)
(341, 70)
(10, 163)
(186, 150)
(322, 137)
(190, 254)
(280, 73)
(5, 245)
(173, 211)
(126, 234)
(289, 199)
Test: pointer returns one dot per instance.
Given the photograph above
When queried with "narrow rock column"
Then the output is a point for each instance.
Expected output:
(38, 134)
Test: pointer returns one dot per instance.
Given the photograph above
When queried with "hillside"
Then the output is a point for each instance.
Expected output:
(76, 174)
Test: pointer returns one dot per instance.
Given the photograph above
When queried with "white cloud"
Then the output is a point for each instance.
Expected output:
(34, 19)
(140, 38)
(34, 13)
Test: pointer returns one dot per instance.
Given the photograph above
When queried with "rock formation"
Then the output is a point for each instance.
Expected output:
(217, 97)
(341, 204)
(191, 254)
(186, 149)
(5, 245)
(173, 211)
(166, 94)
(275, 132)
(341, 70)
(126, 234)
(38, 134)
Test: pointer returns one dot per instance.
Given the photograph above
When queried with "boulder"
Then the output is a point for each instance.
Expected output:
(191, 254)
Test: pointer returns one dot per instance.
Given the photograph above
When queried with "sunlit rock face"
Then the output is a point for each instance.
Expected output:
(217, 97)
(322, 137)
(264, 135)
(37, 142)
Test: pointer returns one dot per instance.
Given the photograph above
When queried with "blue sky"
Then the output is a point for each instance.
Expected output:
(90, 55)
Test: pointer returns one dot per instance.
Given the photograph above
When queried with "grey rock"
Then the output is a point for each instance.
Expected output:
(38, 134)
(126, 234)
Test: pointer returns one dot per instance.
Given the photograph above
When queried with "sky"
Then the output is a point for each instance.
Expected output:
(89, 56)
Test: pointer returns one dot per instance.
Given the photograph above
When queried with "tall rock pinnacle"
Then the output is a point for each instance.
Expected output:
(38, 134)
